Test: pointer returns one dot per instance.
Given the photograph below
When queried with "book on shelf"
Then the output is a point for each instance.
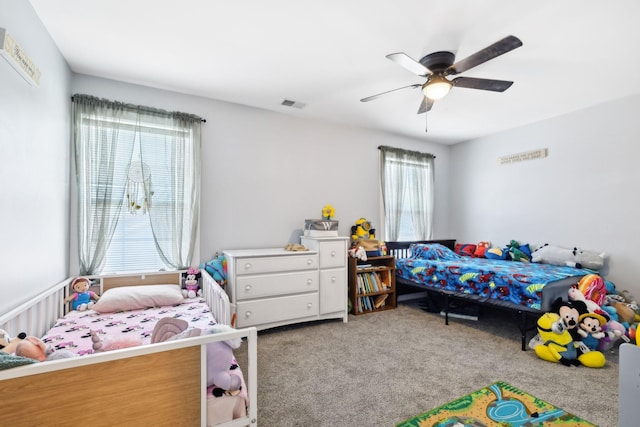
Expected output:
(363, 266)
(379, 301)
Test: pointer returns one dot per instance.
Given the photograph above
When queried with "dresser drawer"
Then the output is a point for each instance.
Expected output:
(268, 310)
(274, 264)
(333, 290)
(258, 286)
(333, 254)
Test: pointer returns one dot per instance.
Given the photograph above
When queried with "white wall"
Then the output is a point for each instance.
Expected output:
(264, 173)
(585, 193)
(34, 172)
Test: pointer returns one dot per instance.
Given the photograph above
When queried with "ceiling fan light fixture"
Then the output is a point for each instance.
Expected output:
(437, 87)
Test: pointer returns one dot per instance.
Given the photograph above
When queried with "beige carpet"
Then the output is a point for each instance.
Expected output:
(382, 368)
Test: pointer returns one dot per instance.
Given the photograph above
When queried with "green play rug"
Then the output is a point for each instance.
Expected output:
(498, 404)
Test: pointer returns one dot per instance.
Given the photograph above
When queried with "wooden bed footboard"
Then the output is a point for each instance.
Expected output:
(156, 384)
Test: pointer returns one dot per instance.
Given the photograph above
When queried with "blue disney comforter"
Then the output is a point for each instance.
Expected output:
(520, 283)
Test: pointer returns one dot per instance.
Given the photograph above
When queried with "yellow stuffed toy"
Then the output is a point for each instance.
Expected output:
(558, 346)
(362, 230)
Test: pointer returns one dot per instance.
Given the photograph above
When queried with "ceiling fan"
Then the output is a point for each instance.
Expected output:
(437, 66)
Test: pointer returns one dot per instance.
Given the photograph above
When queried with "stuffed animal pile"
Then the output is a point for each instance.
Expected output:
(557, 344)
(545, 254)
(514, 251)
(590, 322)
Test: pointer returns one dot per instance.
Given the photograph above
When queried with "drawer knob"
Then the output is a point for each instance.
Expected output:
(247, 314)
(247, 266)
(333, 253)
(333, 279)
(309, 261)
(247, 288)
(309, 281)
(309, 305)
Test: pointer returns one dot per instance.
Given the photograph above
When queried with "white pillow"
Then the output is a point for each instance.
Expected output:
(138, 297)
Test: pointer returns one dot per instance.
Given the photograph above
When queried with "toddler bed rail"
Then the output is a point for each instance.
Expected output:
(40, 313)
(158, 384)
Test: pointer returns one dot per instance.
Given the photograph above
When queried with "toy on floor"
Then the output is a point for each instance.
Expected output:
(575, 295)
(590, 329)
(593, 288)
(558, 346)
(8, 344)
(82, 297)
(569, 312)
(614, 333)
(575, 257)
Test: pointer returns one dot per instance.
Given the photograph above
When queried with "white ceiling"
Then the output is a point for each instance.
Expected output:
(328, 54)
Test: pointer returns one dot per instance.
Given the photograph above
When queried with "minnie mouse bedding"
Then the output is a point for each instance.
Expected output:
(71, 332)
(511, 284)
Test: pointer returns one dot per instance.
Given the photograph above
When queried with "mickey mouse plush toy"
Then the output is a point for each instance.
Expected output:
(590, 329)
(569, 312)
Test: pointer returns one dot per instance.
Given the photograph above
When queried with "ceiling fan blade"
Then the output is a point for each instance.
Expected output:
(500, 47)
(372, 97)
(482, 84)
(409, 63)
(425, 105)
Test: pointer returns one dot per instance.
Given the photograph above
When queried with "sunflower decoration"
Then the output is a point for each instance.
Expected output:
(328, 212)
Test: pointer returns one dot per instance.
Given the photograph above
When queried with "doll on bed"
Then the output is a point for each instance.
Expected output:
(82, 297)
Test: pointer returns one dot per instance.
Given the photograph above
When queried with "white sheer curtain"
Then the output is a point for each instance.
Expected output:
(174, 224)
(407, 187)
(111, 139)
(101, 153)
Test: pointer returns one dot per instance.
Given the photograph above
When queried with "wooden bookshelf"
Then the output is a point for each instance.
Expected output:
(372, 284)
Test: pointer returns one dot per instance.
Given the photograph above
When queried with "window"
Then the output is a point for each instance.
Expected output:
(137, 174)
(406, 181)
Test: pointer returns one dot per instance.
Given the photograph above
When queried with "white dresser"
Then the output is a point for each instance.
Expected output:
(274, 287)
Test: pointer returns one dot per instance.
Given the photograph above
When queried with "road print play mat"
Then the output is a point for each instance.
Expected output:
(498, 404)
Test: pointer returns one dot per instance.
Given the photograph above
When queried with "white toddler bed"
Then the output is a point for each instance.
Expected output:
(157, 384)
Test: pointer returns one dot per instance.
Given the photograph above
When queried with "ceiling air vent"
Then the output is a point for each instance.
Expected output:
(290, 103)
